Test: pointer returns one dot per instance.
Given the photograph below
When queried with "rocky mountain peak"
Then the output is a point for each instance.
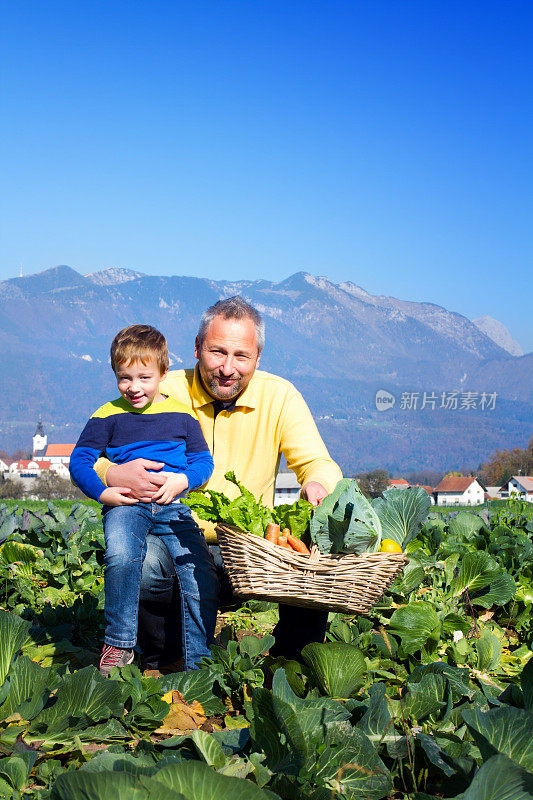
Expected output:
(113, 276)
(499, 334)
(49, 280)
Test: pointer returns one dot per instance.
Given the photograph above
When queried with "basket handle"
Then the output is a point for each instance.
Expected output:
(315, 554)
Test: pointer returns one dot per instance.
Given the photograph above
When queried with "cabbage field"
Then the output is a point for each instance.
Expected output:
(429, 696)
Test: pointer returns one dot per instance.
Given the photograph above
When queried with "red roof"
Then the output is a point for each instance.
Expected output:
(428, 489)
(455, 484)
(59, 450)
(43, 464)
(397, 481)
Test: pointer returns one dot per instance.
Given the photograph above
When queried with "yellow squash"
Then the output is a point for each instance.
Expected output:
(390, 546)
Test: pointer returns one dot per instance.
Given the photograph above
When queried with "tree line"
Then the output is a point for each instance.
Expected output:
(47, 486)
(503, 464)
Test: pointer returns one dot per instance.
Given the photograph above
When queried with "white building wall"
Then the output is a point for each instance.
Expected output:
(31, 470)
(39, 442)
(473, 496)
(514, 486)
(448, 498)
(60, 469)
(286, 496)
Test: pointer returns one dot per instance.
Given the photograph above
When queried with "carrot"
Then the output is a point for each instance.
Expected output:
(272, 533)
(297, 545)
(282, 542)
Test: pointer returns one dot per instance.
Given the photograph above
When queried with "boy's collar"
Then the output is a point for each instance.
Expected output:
(123, 403)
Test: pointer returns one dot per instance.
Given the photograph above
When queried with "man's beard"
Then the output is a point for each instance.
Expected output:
(215, 390)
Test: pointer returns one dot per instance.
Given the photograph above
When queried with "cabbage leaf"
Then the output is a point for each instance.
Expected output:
(346, 522)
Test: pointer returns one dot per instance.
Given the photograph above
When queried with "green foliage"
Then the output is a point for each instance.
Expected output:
(484, 581)
(500, 779)
(244, 512)
(14, 773)
(417, 625)
(401, 513)
(336, 667)
(237, 667)
(247, 513)
(13, 632)
(346, 522)
(187, 781)
(295, 516)
(51, 557)
(504, 730)
(429, 696)
(201, 685)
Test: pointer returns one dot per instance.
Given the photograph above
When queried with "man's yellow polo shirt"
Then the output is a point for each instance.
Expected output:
(270, 417)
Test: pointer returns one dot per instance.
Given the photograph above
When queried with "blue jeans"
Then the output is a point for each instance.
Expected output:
(126, 529)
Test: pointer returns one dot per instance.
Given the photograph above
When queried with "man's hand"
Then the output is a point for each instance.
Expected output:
(175, 484)
(314, 492)
(117, 496)
(135, 476)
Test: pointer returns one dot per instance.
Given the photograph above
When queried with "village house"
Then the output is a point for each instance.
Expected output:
(4, 465)
(287, 488)
(462, 491)
(27, 469)
(53, 457)
(397, 483)
(521, 485)
(58, 454)
(54, 453)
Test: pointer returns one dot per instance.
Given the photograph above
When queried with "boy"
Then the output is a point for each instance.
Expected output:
(145, 423)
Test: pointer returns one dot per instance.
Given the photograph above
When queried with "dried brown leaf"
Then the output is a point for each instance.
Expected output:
(183, 716)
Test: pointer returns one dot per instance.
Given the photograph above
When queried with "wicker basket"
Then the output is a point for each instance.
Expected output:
(264, 571)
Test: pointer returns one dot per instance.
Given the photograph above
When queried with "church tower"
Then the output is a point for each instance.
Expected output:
(40, 440)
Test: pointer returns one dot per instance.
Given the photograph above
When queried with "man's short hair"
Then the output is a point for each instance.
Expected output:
(139, 343)
(233, 308)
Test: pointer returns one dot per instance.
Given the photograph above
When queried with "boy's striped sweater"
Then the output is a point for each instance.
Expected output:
(167, 432)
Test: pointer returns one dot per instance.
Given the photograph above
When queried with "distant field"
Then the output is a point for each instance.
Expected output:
(42, 505)
(527, 509)
(453, 509)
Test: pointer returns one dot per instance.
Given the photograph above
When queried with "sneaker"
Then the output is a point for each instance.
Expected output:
(113, 657)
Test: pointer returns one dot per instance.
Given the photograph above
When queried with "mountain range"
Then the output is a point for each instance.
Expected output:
(338, 343)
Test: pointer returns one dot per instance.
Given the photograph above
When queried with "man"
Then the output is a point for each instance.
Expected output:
(248, 418)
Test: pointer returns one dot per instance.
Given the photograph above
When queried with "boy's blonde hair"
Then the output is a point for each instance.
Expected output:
(139, 343)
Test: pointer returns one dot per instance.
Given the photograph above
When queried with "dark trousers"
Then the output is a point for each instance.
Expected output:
(159, 618)
(297, 627)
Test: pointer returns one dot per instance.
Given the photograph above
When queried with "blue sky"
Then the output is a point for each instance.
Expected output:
(380, 142)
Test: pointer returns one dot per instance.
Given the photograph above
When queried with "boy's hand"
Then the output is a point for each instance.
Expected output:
(117, 496)
(175, 484)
